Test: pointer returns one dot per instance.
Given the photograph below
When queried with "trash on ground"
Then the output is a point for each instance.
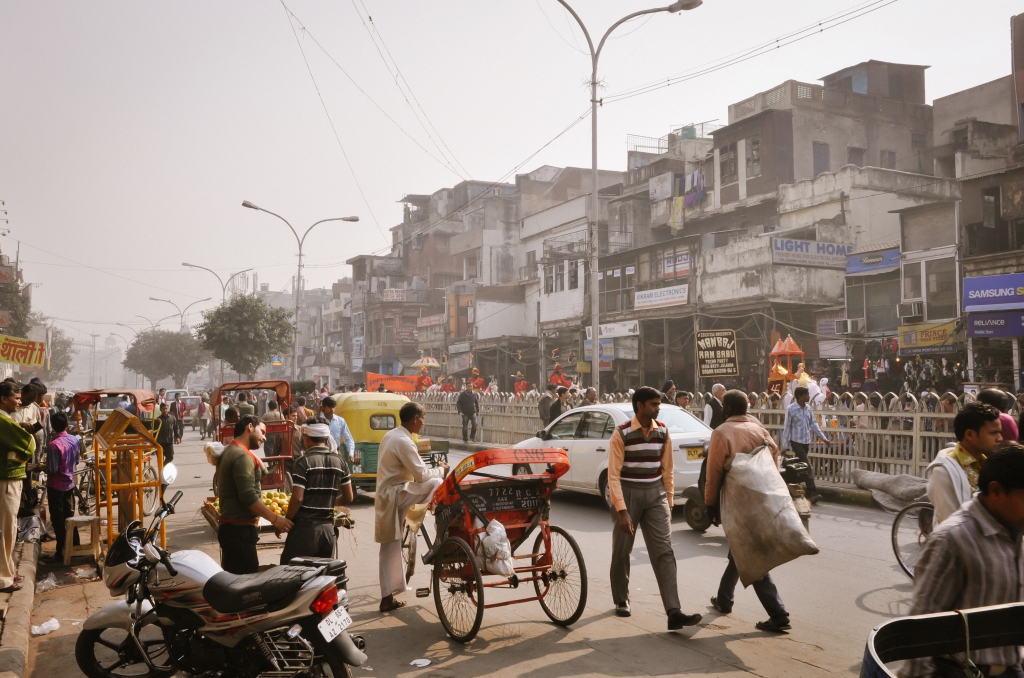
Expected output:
(419, 663)
(48, 626)
(46, 584)
(366, 668)
(86, 573)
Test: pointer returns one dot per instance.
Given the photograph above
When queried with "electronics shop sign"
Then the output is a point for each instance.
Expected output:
(994, 293)
(716, 353)
(996, 324)
(809, 253)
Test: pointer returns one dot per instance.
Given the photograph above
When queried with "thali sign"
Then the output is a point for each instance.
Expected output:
(716, 353)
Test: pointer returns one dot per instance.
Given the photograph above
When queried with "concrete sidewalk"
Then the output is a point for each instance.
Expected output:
(17, 614)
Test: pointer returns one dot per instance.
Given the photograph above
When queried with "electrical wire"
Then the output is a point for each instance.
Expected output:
(330, 120)
(312, 37)
(752, 53)
(375, 36)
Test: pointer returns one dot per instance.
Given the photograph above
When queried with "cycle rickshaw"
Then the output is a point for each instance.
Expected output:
(462, 509)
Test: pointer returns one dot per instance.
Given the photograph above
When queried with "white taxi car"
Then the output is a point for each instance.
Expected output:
(584, 433)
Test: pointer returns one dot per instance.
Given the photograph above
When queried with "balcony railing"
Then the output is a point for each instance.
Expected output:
(528, 272)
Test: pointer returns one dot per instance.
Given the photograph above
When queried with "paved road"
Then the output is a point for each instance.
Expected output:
(834, 598)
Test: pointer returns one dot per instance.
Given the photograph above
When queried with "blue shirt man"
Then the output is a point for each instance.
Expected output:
(339, 428)
(797, 433)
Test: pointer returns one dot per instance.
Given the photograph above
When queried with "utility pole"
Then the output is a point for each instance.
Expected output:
(92, 366)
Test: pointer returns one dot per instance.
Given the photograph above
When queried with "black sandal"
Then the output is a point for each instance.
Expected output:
(780, 625)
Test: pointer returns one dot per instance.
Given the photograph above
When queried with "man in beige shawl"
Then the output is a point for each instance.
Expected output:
(402, 481)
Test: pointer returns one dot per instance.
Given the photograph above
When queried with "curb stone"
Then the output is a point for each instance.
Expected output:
(15, 639)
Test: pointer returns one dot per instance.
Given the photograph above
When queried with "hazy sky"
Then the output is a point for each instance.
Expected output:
(130, 133)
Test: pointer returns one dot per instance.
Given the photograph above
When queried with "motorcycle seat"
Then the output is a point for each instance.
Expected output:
(227, 592)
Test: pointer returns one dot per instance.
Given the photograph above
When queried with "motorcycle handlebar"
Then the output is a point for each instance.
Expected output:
(175, 498)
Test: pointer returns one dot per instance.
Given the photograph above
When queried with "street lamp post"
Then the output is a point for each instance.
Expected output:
(595, 341)
(152, 325)
(181, 313)
(223, 284)
(124, 376)
(298, 276)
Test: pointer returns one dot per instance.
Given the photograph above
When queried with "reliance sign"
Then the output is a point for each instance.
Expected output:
(809, 253)
(994, 293)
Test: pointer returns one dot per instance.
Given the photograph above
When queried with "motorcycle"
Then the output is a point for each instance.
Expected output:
(182, 612)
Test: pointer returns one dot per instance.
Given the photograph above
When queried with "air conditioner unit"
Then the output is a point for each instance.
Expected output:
(910, 309)
(852, 326)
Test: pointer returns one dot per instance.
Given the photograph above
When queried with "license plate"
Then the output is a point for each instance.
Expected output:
(693, 453)
(334, 623)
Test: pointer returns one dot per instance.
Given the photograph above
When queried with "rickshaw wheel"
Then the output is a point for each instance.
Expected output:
(409, 553)
(564, 583)
(458, 590)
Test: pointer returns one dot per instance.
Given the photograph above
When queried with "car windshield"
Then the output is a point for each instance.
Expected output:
(677, 420)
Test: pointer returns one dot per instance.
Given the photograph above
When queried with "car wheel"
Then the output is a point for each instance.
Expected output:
(606, 493)
(521, 470)
(696, 516)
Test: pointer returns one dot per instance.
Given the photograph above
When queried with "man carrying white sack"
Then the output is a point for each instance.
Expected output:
(402, 481)
(740, 433)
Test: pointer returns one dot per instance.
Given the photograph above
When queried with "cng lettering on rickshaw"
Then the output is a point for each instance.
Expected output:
(525, 455)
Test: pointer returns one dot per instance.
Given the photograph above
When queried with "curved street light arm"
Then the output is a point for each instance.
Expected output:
(233, 276)
(623, 20)
(222, 284)
(134, 331)
(284, 220)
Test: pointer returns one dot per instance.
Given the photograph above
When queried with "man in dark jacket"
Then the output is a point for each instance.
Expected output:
(168, 432)
(544, 404)
(561, 404)
(468, 405)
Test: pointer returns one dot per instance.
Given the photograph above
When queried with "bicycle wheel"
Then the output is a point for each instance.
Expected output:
(910, 530)
(458, 590)
(563, 584)
(86, 494)
(409, 553)
(150, 494)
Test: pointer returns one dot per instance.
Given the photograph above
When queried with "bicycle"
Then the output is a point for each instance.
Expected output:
(910, 530)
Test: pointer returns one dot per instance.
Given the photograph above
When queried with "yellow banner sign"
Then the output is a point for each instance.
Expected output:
(22, 351)
(927, 338)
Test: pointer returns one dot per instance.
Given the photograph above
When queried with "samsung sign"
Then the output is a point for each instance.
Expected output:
(994, 293)
(809, 253)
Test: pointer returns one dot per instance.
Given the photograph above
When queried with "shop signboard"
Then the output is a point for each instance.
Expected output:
(459, 363)
(994, 293)
(716, 354)
(809, 253)
(430, 320)
(275, 361)
(607, 352)
(383, 266)
(661, 297)
(660, 187)
(927, 338)
(677, 264)
(873, 262)
(394, 294)
(996, 324)
(6, 274)
(406, 334)
(612, 330)
(826, 322)
(461, 347)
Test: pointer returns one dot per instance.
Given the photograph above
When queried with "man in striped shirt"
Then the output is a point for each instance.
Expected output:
(641, 486)
(974, 559)
(318, 477)
(61, 460)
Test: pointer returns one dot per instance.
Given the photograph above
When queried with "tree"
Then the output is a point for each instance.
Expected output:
(245, 332)
(161, 353)
(12, 299)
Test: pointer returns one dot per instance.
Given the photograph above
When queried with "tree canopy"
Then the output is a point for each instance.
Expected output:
(245, 332)
(62, 350)
(161, 353)
(13, 299)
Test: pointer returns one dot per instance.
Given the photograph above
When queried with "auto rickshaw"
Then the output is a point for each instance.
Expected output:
(101, 402)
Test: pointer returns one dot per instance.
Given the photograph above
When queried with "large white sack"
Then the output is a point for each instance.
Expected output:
(760, 521)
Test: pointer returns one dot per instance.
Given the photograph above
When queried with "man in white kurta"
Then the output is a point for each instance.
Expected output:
(402, 481)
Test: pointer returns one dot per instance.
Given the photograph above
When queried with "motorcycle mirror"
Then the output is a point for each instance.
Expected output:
(170, 473)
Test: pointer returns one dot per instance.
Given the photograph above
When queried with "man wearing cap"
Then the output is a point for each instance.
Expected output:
(424, 381)
(559, 379)
(521, 386)
(477, 380)
(449, 385)
(318, 477)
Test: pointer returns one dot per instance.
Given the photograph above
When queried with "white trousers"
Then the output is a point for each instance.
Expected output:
(391, 567)
(10, 501)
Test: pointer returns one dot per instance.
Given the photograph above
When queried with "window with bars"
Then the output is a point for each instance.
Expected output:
(727, 161)
(887, 159)
(753, 147)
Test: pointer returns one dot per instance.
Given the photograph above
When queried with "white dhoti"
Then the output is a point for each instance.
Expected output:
(391, 567)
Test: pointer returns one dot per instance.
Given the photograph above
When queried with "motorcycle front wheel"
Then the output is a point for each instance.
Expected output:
(111, 653)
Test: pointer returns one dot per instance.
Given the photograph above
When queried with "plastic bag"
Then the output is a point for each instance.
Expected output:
(213, 451)
(46, 584)
(494, 551)
(759, 519)
(48, 626)
(87, 573)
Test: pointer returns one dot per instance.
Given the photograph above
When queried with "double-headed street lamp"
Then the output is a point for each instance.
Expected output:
(223, 284)
(152, 325)
(298, 276)
(595, 341)
(181, 313)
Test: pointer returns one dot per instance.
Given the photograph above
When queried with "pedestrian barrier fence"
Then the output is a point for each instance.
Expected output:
(886, 433)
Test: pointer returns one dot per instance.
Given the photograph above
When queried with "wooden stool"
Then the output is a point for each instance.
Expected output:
(94, 538)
